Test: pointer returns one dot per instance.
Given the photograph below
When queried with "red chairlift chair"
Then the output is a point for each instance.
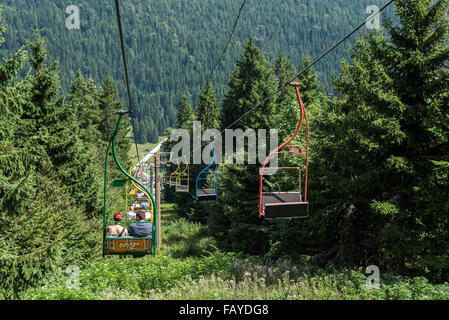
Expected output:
(286, 204)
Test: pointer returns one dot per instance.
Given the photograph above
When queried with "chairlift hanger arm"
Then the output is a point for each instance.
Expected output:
(207, 170)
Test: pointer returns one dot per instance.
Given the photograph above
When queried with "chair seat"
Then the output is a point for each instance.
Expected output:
(206, 194)
(284, 205)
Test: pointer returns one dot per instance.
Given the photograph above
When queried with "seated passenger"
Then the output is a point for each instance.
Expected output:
(117, 230)
(140, 230)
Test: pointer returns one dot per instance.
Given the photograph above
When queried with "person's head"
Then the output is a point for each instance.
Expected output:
(118, 216)
(140, 215)
(131, 208)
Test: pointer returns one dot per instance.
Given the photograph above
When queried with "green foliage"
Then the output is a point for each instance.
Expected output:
(83, 101)
(379, 160)
(183, 238)
(186, 239)
(226, 276)
(137, 276)
(250, 83)
(40, 240)
(185, 115)
(223, 276)
(207, 109)
(233, 219)
(49, 188)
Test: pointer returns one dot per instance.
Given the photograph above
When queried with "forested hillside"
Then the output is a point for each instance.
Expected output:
(172, 44)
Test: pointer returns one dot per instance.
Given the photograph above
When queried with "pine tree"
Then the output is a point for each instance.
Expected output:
(250, 83)
(385, 145)
(84, 98)
(40, 226)
(185, 115)
(234, 220)
(283, 71)
(109, 105)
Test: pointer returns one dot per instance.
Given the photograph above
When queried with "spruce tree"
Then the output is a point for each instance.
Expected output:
(289, 112)
(152, 134)
(41, 228)
(234, 220)
(185, 115)
(286, 107)
(283, 71)
(249, 85)
(109, 105)
(208, 114)
(60, 138)
(83, 98)
(16, 158)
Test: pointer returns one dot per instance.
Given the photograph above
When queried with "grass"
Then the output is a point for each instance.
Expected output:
(190, 267)
(182, 238)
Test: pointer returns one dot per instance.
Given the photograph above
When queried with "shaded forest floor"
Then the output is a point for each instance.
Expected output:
(189, 266)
